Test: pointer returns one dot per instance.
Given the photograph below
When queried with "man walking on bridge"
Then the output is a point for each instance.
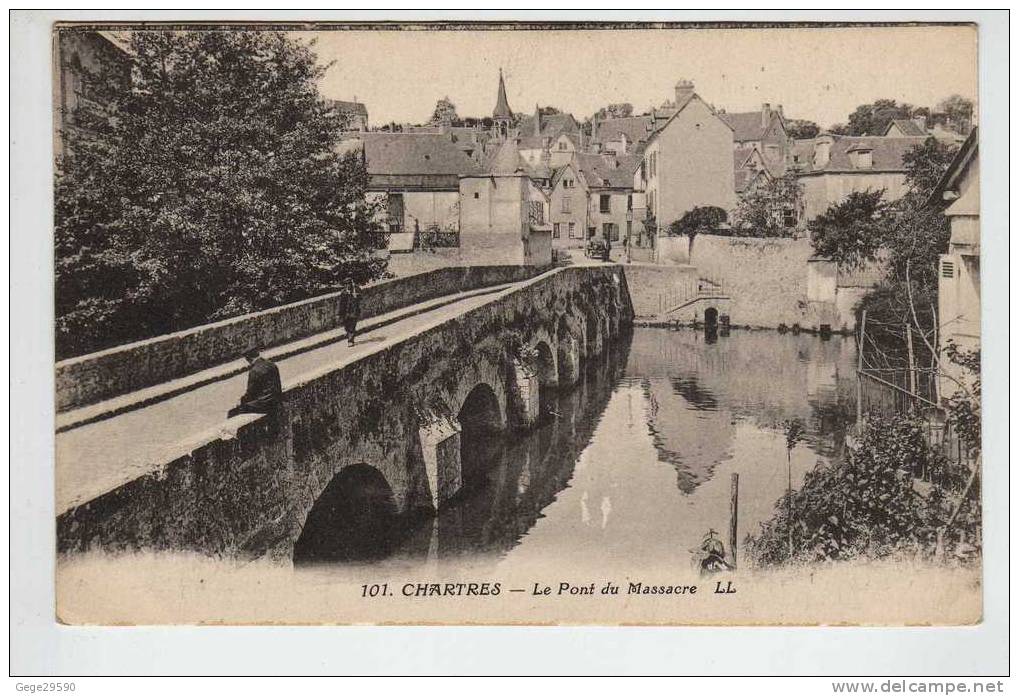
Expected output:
(265, 391)
(350, 310)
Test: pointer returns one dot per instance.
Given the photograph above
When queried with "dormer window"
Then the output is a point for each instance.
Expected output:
(861, 157)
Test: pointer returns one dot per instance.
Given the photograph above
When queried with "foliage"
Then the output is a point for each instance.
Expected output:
(958, 110)
(801, 129)
(873, 119)
(925, 165)
(763, 209)
(964, 404)
(444, 112)
(851, 231)
(888, 496)
(701, 218)
(209, 187)
(794, 432)
(620, 110)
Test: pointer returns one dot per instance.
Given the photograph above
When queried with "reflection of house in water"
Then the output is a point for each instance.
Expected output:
(761, 375)
(688, 429)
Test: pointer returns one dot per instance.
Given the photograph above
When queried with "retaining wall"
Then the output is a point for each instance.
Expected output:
(90, 378)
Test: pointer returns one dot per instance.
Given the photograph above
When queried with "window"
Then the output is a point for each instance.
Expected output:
(394, 210)
(629, 201)
(536, 213)
(610, 231)
(562, 145)
(947, 269)
(605, 203)
(477, 195)
(789, 217)
(566, 204)
(573, 230)
(556, 230)
(629, 228)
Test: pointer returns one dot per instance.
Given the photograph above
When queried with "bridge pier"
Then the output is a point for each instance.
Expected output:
(440, 447)
(525, 392)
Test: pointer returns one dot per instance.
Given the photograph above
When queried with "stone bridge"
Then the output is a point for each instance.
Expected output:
(395, 431)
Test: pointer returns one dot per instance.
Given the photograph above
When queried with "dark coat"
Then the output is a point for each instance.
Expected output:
(264, 387)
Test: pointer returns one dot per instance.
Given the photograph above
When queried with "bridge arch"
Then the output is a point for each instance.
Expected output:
(354, 519)
(481, 420)
(548, 379)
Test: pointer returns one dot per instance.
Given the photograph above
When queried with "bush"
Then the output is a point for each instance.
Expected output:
(889, 496)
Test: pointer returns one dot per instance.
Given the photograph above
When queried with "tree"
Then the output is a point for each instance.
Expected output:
(212, 187)
(444, 112)
(801, 129)
(706, 218)
(851, 231)
(873, 119)
(620, 110)
(959, 111)
(770, 209)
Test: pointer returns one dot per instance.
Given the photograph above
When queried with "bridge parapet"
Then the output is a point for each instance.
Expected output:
(122, 369)
(395, 411)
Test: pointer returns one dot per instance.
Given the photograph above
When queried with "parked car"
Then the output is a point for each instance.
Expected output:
(597, 249)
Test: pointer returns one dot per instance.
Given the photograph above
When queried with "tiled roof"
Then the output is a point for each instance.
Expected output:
(745, 126)
(886, 154)
(606, 171)
(502, 109)
(424, 159)
(552, 125)
(635, 128)
(348, 107)
(907, 126)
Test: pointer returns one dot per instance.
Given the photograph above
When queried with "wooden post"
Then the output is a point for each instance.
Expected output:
(733, 516)
(859, 369)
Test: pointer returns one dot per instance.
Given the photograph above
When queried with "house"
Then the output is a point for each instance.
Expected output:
(750, 169)
(959, 268)
(78, 53)
(354, 113)
(688, 161)
(417, 178)
(593, 196)
(918, 128)
(621, 135)
(763, 131)
(548, 139)
(503, 214)
(830, 167)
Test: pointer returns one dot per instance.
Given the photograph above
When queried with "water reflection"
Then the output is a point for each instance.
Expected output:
(633, 464)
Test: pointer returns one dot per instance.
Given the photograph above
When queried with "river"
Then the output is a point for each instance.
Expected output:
(634, 464)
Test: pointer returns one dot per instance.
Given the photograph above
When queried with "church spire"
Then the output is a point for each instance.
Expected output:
(502, 110)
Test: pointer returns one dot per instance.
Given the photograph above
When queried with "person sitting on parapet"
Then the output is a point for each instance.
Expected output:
(265, 391)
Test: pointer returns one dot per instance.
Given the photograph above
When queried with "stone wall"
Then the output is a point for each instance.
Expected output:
(249, 493)
(90, 378)
(766, 278)
(655, 288)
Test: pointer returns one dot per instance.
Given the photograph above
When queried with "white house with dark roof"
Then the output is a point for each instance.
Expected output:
(593, 196)
(417, 175)
(688, 161)
(830, 167)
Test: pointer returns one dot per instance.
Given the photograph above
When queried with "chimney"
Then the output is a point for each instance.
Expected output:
(779, 110)
(684, 90)
(765, 114)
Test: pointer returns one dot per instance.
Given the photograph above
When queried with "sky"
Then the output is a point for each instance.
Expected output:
(820, 74)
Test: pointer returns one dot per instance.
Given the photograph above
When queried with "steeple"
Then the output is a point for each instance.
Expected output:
(502, 115)
(502, 110)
